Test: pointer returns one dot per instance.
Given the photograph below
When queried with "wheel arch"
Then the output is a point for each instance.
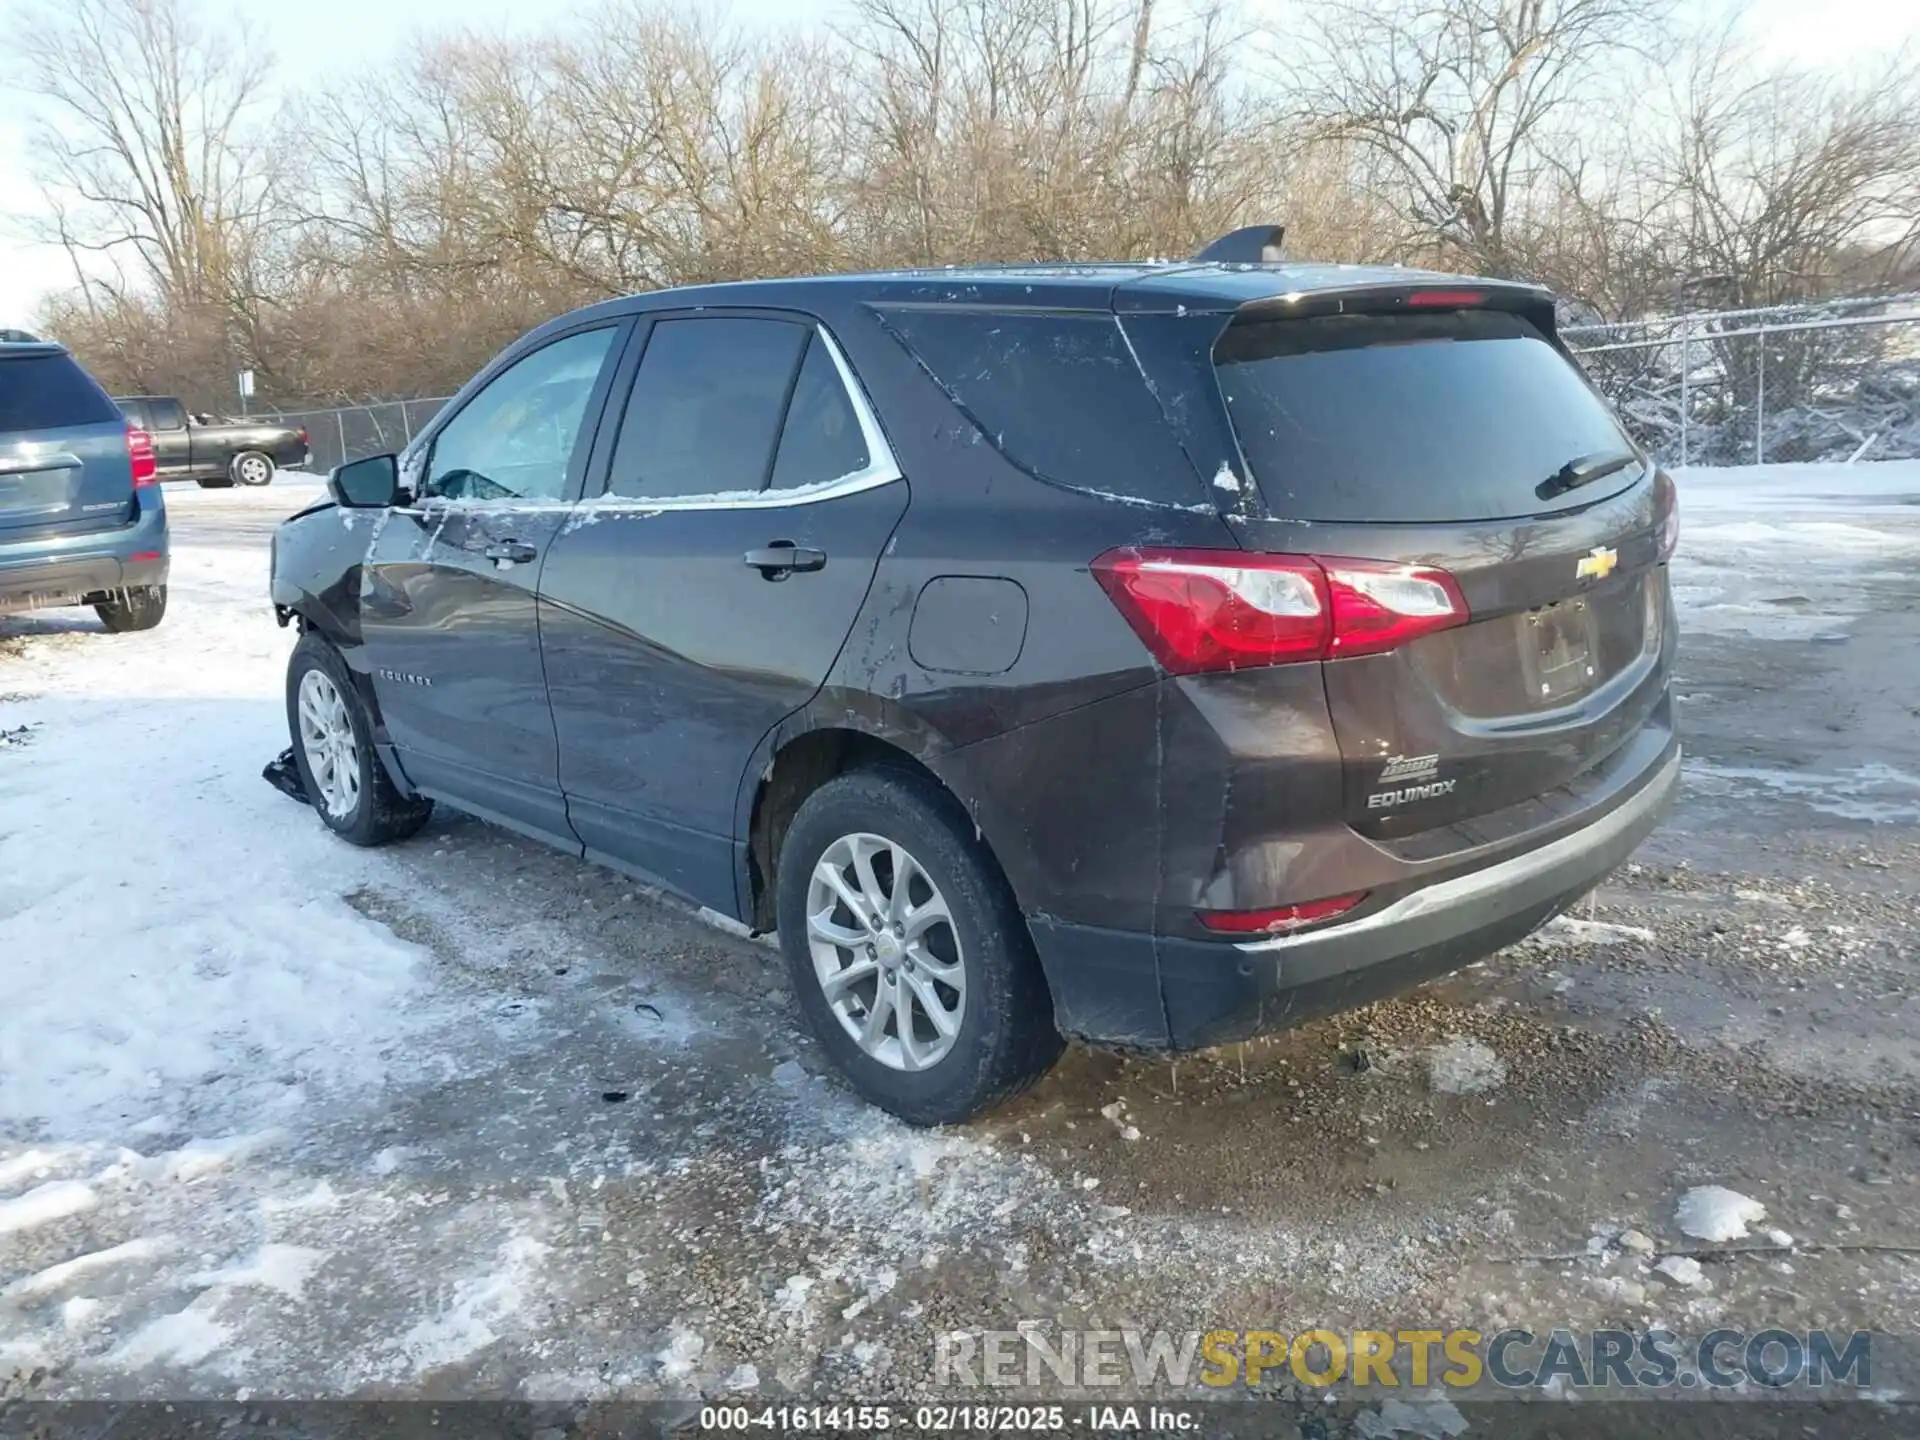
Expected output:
(813, 747)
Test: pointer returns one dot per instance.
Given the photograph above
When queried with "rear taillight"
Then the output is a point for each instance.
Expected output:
(1206, 610)
(1666, 505)
(146, 469)
(1278, 919)
(1444, 299)
(302, 433)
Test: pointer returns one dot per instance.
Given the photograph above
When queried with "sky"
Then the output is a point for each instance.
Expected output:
(319, 41)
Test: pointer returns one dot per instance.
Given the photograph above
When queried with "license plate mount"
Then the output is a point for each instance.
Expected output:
(1556, 651)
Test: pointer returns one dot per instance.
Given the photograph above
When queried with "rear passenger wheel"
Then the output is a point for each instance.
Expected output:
(345, 782)
(127, 610)
(907, 951)
(250, 467)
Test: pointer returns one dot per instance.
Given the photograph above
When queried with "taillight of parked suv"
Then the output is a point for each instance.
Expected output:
(1205, 610)
(146, 467)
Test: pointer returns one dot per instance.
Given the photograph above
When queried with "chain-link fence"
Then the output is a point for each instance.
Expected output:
(352, 432)
(1826, 381)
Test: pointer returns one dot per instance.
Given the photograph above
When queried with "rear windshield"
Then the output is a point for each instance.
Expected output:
(49, 392)
(1457, 416)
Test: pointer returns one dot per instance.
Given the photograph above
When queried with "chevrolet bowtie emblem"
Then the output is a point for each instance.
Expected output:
(1597, 563)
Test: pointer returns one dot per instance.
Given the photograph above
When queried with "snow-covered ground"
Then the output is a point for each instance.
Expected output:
(1789, 551)
(281, 1116)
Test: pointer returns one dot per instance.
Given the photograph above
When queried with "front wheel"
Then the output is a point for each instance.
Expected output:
(907, 952)
(128, 610)
(250, 467)
(349, 788)
(215, 482)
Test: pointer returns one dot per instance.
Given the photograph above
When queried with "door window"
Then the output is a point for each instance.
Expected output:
(168, 414)
(515, 439)
(136, 413)
(706, 407)
(821, 439)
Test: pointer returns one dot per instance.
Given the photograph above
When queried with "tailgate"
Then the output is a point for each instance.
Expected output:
(1464, 441)
(64, 463)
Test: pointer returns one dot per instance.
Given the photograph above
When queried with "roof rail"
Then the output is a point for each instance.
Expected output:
(1249, 245)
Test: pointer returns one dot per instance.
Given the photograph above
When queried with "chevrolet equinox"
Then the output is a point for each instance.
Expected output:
(1154, 654)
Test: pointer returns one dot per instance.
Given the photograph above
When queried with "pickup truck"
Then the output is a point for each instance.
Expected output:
(211, 450)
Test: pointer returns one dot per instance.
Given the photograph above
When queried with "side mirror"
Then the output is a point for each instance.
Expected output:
(369, 484)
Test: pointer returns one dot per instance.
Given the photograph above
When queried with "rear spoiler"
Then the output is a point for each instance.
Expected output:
(1533, 302)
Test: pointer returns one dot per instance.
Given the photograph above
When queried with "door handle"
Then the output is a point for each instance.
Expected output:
(782, 557)
(512, 552)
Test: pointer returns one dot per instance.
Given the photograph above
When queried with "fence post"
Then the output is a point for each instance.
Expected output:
(340, 424)
(1760, 408)
(406, 425)
(1686, 368)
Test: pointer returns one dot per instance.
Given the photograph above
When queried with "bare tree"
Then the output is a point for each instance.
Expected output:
(1456, 105)
(144, 144)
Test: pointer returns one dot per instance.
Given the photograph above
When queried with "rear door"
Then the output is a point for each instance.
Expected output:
(704, 593)
(1463, 439)
(64, 466)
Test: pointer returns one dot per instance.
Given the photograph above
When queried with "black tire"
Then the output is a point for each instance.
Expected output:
(238, 467)
(381, 814)
(128, 610)
(215, 482)
(1006, 1038)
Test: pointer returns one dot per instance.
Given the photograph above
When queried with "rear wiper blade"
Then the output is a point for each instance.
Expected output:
(1583, 470)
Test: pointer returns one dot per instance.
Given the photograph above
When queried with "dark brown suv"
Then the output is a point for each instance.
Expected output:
(1156, 654)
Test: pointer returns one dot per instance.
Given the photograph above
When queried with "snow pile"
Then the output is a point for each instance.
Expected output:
(1715, 1213)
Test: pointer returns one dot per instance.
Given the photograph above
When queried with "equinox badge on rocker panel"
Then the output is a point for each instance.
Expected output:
(1409, 768)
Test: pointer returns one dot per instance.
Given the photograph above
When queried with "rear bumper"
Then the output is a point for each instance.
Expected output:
(1138, 989)
(51, 571)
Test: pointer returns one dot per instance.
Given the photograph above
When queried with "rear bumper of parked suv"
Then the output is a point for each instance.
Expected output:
(1111, 985)
(45, 571)
(1216, 992)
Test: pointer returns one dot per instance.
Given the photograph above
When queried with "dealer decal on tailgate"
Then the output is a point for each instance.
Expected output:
(1420, 768)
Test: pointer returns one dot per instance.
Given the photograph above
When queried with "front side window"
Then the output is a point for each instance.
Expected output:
(706, 408)
(515, 439)
(168, 415)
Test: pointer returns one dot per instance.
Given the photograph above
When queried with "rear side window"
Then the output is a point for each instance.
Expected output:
(50, 392)
(1059, 395)
(821, 440)
(1444, 417)
(706, 408)
(168, 415)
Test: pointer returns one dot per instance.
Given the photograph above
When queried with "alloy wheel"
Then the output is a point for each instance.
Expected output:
(326, 736)
(885, 951)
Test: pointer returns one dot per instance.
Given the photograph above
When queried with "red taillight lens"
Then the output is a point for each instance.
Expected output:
(1444, 299)
(146, 470)
(1666, 505)
(302, 433)
(1207, 610)
(1280, 918)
